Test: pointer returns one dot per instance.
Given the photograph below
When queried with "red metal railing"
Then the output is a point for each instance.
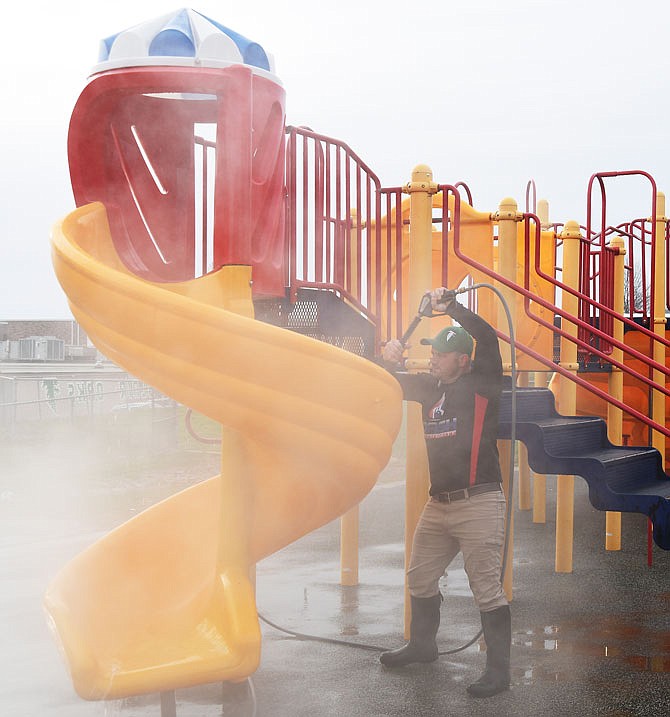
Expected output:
(598, 283)
(392, 264)
(335, 234)
(638, 236)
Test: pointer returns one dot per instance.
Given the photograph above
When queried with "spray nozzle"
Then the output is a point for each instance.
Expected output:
(425, 305)
(448, 295)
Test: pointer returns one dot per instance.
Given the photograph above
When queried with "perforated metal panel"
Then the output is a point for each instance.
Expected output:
(321, 315)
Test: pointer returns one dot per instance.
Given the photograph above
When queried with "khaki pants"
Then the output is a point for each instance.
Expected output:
(476, 528)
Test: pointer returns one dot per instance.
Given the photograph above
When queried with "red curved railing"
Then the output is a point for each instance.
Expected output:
(329, 249)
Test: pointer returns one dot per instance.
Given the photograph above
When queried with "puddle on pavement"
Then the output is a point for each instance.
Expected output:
(625, 639)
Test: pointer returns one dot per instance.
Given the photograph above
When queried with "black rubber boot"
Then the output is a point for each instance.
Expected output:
(422, 630)
(497, 626)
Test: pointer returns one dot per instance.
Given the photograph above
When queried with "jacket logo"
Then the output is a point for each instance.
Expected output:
(437, 411)
(436, 425)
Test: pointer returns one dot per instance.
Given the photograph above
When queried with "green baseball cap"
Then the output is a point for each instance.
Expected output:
(453, 338)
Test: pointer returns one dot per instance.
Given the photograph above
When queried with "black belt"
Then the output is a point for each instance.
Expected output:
(453, 495)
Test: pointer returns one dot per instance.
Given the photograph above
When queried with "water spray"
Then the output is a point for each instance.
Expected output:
(425, 310)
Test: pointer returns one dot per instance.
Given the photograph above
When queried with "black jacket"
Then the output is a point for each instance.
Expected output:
(460, 419)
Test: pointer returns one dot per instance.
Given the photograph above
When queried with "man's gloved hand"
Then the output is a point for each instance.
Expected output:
(441, 299)
(392, 352)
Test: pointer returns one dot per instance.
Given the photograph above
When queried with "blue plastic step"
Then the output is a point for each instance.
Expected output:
(564, 436)
(627, 479)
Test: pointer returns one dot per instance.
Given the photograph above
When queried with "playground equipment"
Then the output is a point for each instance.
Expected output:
(166, 599)
(227, 260)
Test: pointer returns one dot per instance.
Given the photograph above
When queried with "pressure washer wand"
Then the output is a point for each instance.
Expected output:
(425, 309)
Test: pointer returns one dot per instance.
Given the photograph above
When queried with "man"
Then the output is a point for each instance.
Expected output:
(466, 508)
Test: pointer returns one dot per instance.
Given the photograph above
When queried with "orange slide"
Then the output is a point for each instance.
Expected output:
(165, 600)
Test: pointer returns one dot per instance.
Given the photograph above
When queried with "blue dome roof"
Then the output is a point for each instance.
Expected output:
(181, 36)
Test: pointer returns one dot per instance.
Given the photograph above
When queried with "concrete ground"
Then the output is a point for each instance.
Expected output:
(595, 642)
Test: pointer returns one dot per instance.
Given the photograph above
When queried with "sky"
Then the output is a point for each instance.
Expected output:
(488, 92)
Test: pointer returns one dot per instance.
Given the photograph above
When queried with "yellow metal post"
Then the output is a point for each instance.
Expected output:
(540, 480)
(541, 379)
(658, 398)
(615, 387)
(421, 190)
(504, 449)
(524, 468)
(235, 497)
(236, 507)
(349, 523)
(565, 492)
(507, 217)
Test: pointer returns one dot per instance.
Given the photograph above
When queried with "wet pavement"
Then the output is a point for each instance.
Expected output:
(594, 642)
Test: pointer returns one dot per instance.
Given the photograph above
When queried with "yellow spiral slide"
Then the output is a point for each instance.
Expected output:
(165, 601)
